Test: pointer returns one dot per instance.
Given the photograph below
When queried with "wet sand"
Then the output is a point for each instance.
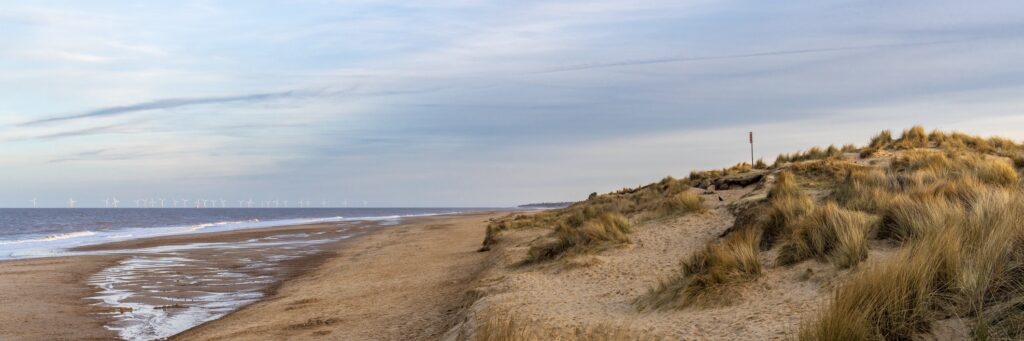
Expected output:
(369, 279)
(398, 284)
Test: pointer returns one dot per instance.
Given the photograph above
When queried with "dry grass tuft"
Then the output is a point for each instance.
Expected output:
(593, 233)
(914, 137)
(741, 167)
(829, 233)
(787, 203)
(709, 275)
(881, 140)
(507, 326)
(684, 202)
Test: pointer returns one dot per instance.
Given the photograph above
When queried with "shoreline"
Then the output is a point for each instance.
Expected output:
(65, 285)
(412, 284)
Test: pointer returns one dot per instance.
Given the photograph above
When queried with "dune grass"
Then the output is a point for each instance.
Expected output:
(954, 202)
(601, 220)
(678, 204)
(970, 264)
(716, 173)
(590, 234)
(509, 326)
(828, 233)
(787, 203)
(708, 276)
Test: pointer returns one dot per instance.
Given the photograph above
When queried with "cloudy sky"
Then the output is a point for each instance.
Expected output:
(471, 103)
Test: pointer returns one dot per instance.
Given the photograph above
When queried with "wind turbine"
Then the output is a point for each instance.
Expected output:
(364, 203)
(250, 202)
(106, 203)
(116, 202)
(184, 203)
(323, 203)
(152, 203)
(346, 203)
(33, 201)
(222, 205)
(162, 202)
(137, 203)
(71, 202)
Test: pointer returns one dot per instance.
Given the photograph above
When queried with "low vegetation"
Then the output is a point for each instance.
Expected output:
(828, 233)
(954, 203)
(601, 221)
(787, 203)
(708, 275)
(509, 326)
(589, 234)
(969, 264)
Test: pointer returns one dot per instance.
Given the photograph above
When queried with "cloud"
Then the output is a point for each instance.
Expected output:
(180, 102)
(745, 55)
(81, 132)
(107, 154)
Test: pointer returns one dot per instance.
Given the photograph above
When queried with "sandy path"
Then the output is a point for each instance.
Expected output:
(41, 299)
(402, 283)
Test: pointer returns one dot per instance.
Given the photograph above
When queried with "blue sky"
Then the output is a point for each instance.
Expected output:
(469, 103)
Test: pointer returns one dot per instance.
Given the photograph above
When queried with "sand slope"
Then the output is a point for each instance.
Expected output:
(587, 296)
(402, 283)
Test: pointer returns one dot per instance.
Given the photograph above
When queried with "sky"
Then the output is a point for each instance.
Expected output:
(471, 103)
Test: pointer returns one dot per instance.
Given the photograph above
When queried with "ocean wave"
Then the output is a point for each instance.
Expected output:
(50, 238)
(197, 227)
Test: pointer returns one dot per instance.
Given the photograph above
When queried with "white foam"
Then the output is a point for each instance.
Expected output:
(49, 238)
(56, 245)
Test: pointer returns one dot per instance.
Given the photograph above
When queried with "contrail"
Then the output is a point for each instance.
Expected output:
(741, 56)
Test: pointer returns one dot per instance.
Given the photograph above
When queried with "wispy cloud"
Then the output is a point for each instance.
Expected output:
(180, 102)
(744, 55)
(106, 129)
(107, 154)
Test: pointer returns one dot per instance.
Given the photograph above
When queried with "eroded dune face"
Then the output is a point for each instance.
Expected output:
(884, 241)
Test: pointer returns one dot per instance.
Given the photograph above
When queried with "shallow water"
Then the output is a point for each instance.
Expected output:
(161, 291)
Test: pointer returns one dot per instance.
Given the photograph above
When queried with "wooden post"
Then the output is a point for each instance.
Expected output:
(751, 149)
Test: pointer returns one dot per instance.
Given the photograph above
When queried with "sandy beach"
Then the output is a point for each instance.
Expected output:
(404, 283)
(355, 286)
(43, 299)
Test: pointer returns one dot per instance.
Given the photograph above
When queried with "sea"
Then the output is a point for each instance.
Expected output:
(43, 232)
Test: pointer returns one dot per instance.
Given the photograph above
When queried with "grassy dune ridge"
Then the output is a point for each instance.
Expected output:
(948, 205)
